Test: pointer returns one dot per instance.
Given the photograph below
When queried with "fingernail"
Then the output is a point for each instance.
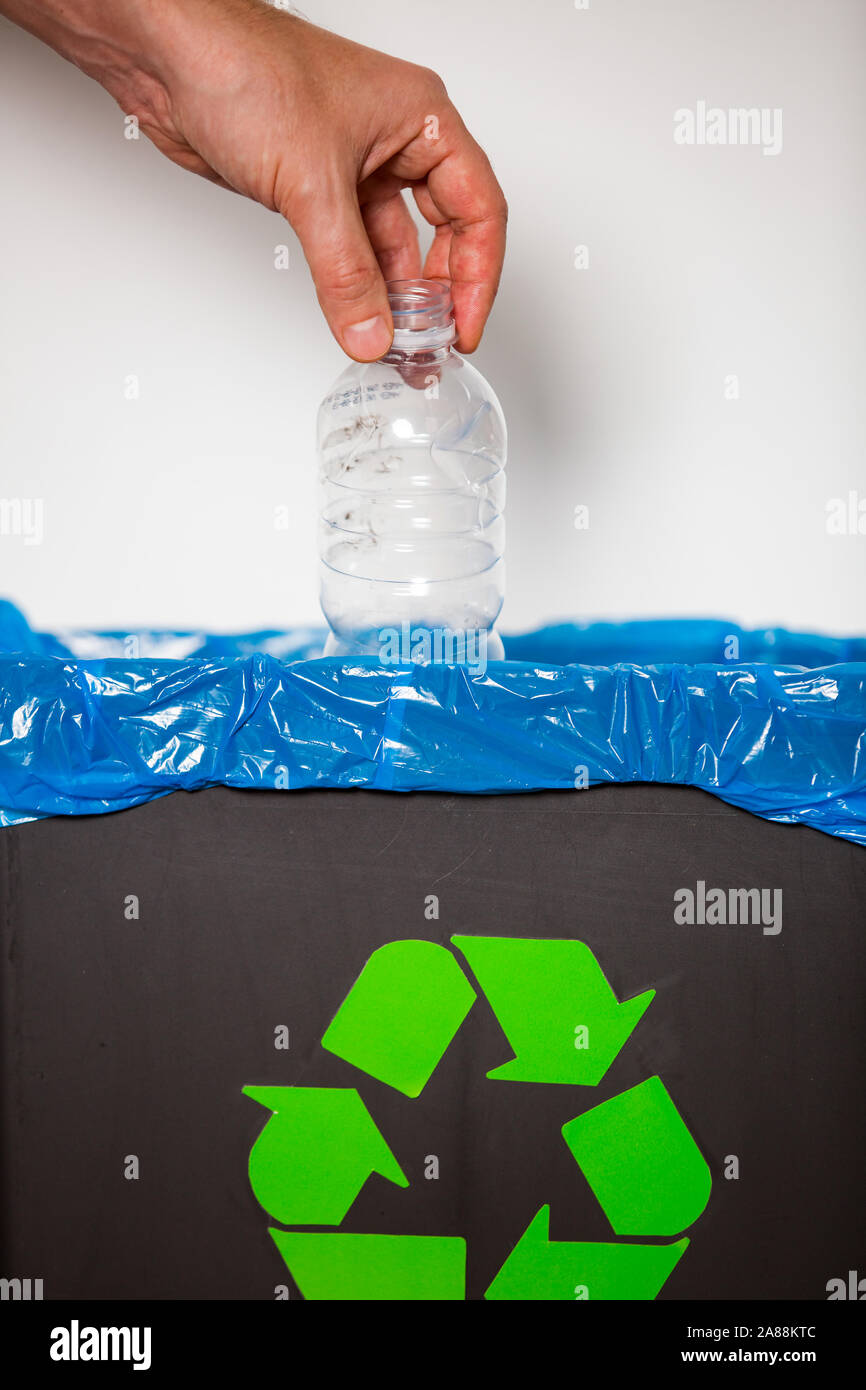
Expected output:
(367, 340)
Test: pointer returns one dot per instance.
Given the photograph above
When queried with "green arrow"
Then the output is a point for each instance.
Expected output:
(538, 1269)
(316, 1152)
(401, 1014)
(641, 1162)
(363, 1268)
(554, 1005)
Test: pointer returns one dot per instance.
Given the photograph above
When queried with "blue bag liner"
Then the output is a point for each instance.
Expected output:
(96, 722)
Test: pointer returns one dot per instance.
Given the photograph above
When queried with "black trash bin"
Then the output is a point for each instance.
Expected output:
(159, 961)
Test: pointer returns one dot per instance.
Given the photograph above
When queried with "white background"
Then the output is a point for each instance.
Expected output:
(703, 262)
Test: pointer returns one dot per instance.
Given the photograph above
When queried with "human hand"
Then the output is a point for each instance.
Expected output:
(322, 130)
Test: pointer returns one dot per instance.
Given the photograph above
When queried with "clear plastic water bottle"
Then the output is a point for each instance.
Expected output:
(412, 490)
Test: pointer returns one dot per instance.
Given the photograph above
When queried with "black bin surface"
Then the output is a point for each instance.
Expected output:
(259, 909)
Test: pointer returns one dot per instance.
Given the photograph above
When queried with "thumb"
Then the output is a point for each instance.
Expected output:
(349, 283)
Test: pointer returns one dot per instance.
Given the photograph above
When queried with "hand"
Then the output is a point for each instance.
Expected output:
(322, 130)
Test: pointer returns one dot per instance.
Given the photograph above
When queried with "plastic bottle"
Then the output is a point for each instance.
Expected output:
(412, 490)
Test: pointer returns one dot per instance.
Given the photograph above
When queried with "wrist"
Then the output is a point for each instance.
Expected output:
(185, 50)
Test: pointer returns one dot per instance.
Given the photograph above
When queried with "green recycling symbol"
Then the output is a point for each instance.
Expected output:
(565, 1027)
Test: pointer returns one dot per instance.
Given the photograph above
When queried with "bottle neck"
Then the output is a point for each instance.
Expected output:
(425, 356)
(434, 343)
(423, 320)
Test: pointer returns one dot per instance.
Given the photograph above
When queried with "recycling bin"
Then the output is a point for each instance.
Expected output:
(174, 969)
(330, 981)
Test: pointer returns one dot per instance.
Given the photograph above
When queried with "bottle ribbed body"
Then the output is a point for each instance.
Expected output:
(412, 456)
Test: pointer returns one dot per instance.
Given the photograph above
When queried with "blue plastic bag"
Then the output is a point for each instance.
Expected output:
(97, 722)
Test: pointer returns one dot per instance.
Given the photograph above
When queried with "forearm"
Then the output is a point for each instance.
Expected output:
(137, 49)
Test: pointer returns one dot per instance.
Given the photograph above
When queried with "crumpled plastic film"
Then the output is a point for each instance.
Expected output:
(82, 736)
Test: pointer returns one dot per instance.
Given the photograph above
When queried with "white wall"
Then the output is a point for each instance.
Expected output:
(703, 262)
